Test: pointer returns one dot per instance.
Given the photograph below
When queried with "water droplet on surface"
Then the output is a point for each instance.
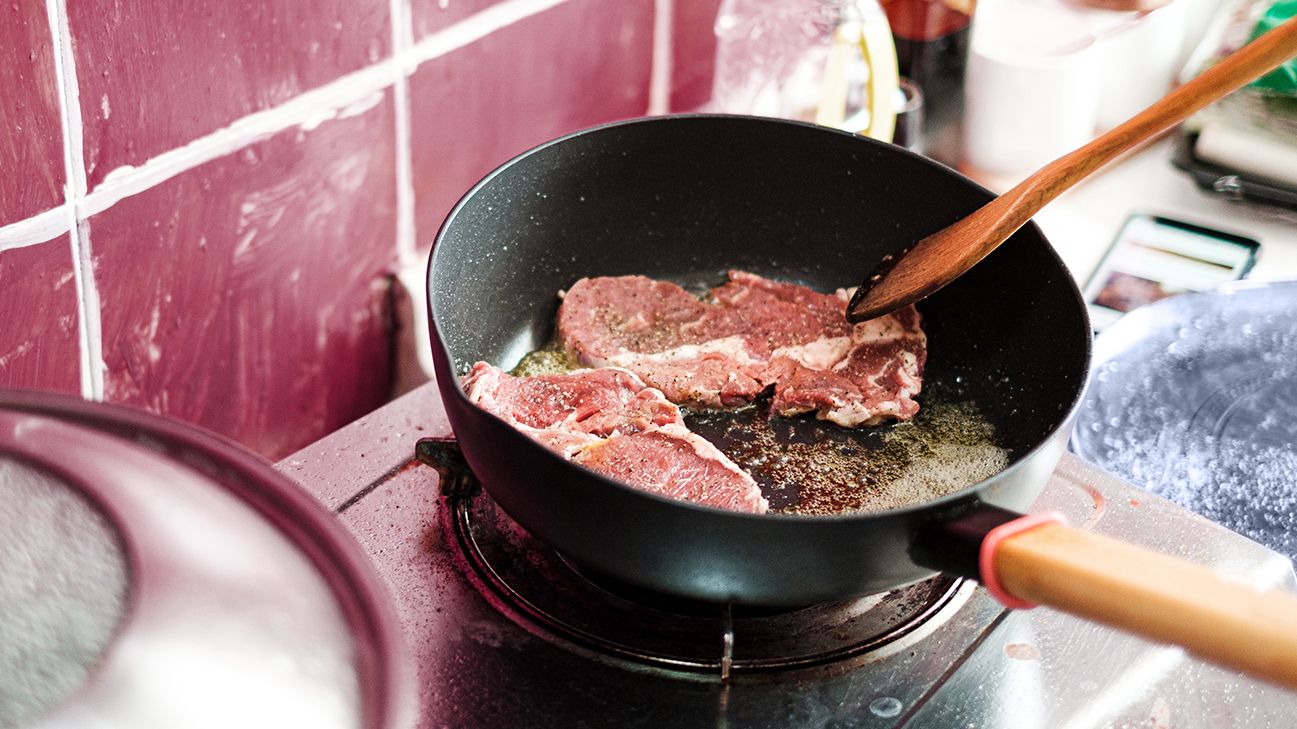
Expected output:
(885, 707)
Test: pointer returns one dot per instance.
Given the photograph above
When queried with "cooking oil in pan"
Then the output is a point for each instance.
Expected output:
(551, 359)
(812, 467)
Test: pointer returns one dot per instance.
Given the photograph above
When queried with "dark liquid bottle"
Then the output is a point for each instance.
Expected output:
(931, 39)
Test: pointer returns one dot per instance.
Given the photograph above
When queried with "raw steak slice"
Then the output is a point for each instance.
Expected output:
(599, 402)
(752, 333)
(601, 317)
(712, 379)
(678, 464)
(608, 420)
(876, 382)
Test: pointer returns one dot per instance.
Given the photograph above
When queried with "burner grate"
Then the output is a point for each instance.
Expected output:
(537, 587)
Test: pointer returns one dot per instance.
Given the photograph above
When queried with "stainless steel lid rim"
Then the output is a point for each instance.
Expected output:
(386, 693)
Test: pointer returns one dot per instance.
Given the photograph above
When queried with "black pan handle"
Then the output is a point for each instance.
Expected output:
(952, 542)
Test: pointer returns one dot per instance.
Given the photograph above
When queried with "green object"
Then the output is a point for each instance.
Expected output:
(1282, 80)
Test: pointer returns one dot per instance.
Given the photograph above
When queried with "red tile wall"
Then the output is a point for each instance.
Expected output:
(155, 74)
(31, 142)
(243, 279)
(428, 16)
(246, 294)
(519, 87)
(693, 53)
(39, 346)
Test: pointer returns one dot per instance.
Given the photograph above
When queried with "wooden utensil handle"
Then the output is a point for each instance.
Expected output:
(1154, 596)
(943, 256)
(1228, 75)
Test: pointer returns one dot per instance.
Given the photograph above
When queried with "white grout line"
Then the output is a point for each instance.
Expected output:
(402, 40)
(344, 96)
(309, 108)
(38, 228)
(660, 75)
(339, 98)
(349, 95)
(92, 358)
(65, 76)
(477, 26)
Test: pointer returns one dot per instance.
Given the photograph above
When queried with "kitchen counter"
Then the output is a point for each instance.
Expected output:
(1085, 220)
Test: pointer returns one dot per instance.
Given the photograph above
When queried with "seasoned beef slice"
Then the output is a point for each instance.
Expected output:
(608, 420)
(676, 463)
(750, 334)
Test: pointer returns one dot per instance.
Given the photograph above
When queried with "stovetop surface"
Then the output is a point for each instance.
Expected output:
(482, 662)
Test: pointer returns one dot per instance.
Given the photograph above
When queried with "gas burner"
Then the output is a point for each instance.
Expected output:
(538, 587)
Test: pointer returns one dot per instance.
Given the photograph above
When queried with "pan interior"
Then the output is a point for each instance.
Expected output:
(809, 466)
(687, 198)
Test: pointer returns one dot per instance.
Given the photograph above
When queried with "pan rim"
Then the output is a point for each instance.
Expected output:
(963, 495)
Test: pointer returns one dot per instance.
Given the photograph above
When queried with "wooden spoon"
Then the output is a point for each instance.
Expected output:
(942, 257)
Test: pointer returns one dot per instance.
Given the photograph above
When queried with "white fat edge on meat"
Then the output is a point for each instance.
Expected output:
(888, 334)
(636, 381)
(477, 387)
(820, 354)
(848, 414)
(883, 329)
(570, 443)
(910, 371)
(703, 448)
(832, 352)
(733, 297)
(856, 414)
(734, 346)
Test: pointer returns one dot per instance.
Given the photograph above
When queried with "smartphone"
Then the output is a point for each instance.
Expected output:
(1154, 257)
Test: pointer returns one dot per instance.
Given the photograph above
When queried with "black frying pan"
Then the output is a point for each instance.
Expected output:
(685, 198)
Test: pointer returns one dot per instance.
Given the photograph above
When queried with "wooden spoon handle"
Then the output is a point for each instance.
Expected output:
(1154, 596)
(945, 255)
(1231, 73)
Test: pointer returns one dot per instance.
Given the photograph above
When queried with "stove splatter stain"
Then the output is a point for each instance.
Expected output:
(1022, 652)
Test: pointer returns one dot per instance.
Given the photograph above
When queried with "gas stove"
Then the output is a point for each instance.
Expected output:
(504, 632)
